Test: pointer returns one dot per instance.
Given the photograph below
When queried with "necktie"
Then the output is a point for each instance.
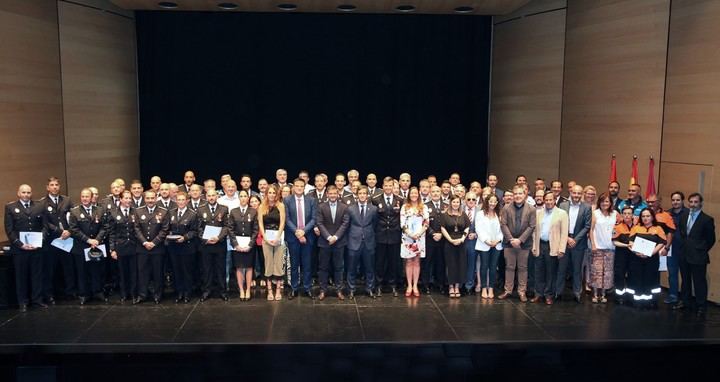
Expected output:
(89, 211)
(212, 210)
(125, 212)
(242, 211)
(437, 207)
(55, 200)
(387, 201)
(300, 214)
(691, 221)
(179, 214)
(196, 205)
(362, 212)
(26, 205)
(469, 214)
(332, 211)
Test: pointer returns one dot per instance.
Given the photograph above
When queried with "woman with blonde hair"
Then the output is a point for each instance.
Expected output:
(414, 220)
(271, 223)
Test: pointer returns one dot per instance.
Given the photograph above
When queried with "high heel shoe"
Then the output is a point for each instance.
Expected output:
(484, 293)
(270, 296)
(416, 292)
(595, 299)
(408, 292)
(491, 293)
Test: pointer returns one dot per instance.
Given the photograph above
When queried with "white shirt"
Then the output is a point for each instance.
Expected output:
(308, 188)
(573, 211)
(487, 229)
(229, 201)
(603, 231)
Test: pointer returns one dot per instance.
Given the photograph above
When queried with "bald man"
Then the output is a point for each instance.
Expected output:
(24, 215)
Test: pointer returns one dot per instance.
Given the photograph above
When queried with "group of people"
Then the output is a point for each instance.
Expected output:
(383, 236)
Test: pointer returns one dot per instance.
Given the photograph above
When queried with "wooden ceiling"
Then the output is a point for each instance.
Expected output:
(463, 7)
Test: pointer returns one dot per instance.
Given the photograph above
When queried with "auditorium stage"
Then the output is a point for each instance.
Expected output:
(427, 338)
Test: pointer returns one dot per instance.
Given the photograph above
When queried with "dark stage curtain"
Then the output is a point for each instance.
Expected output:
(244, 92)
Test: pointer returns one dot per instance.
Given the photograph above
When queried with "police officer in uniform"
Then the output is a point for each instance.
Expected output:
(387, 237)
(212, 250)
(242, 222)
(181, 246)
(433, 264)
(24, 215)
(151, 227)
(55, 209)
(87, 226)
(122, 244)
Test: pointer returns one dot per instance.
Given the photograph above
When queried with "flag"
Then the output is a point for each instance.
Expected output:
(634, 178)
(613, 169)
(650, 189)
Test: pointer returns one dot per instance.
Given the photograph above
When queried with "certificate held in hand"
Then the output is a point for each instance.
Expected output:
(644, 247)
(211, 231)
(32, 238)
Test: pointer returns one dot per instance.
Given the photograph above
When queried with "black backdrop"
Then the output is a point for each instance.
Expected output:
(243, 92)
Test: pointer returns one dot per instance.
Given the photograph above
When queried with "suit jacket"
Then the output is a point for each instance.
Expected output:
(85, 227)
(558, 233)
(191, 204)
(240, 224)
(349, 200)
(309, 207)
(171, 205)
(121, 232)
(56, 215)
(362, 230)
(108, 204)
(151, 227)
(314, 194)
(388, 229)
(582, 225)
(187, 226)
(374, 192)
(138, 205)
(328, 227)
(697, 243)
(18, 219)
(527, 224)
(218, 219)
(434, 226)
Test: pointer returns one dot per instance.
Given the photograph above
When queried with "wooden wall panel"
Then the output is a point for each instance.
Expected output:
(31, 124)
(615, 59)
(692, 110)
(525, 110)
(99, 96)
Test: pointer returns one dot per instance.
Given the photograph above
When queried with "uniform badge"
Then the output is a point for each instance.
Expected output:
(172, 218)
(82, 216)
(380, 206)
(50, 208)
(119, 218)
(142, 217)
(204, 215)
(109, 206)
(248, 218)
(348, 202)
(17, 211)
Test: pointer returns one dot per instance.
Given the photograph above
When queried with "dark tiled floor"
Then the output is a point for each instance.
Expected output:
(427, 319)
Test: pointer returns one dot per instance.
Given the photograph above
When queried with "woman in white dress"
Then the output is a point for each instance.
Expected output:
(414, 220)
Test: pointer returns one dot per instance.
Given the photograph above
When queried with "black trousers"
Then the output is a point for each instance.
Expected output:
(182, 265)
(644, 277)
(694, 276)
(55, 259)
(432, 266)
(90, 275)
(128, 275)
(150, 266)
(387, 264)
(621, 270)
(336, 255)
(213, 270)
(28, 275)
(545, 271)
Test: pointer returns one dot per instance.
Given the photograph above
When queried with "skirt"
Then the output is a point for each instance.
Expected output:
(243, 259)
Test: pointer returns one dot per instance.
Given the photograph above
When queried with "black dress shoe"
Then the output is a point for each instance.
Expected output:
(157, 300)
(23, 308)
(224, 296)
(679, 306)
(378, 293)
(204, 297)
(351, 295)
(395, 292)
(701, 311)
(292, 295)
(557, 298)
(123, 299)
(309, 295)
(50, 300)
(41, 305)
(139, 300)
(371, 294)
(83, 300)
(186, 299)
(427, 291)
(178, 299)
(578, 299)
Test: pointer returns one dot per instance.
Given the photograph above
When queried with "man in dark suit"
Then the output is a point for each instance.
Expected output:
(697, 230)
(87, 225)
(122, 245)
(299, 236)
(151, 227)
(387, 236)
(136, 189)
(319, 193)
(246, 185)
(181, 246)
(433, 264)
(188, 181)
(492, 181)
(164, 200)
(371, 182)
(24, 215)
(340, 183)
(517, 222)
(213, 249)
(579, 218)
(55, 210)
(361, 244)
(332, 221)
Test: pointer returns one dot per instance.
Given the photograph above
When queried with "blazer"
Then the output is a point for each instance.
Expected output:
(349, 200)
(121, 232)
(558, 232)
(309, 207)
(374, 192)
(582, 225)
(388, 230)
(56, 215)
(84, 227)
(362, 230)
(17, 220)
(314, 194)
(328, 227)
(187, 226)
(697, 243)
(527, 224)
(218, 219)
(191, 204)
(242, 224)
(151, 228)
(434, 225)
(170, 206)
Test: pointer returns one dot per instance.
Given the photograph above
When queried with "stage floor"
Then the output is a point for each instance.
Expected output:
(69, 327)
